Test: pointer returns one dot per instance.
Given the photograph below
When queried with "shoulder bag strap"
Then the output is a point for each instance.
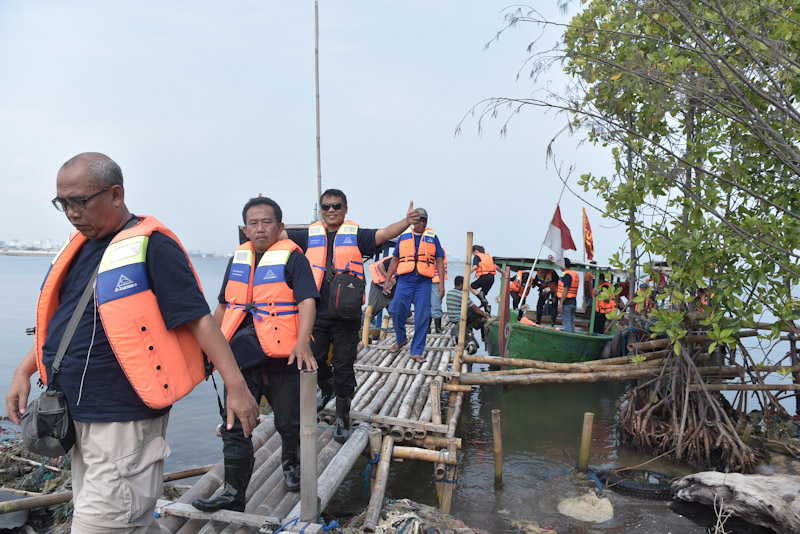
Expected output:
(73, 322)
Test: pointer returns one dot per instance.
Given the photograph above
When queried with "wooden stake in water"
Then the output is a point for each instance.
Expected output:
(498, 448)
(586, 441)
(308, 446)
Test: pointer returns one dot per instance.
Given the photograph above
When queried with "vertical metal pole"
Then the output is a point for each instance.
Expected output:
(498, 448)
(316, 77)
(308, 446)
(586, 441)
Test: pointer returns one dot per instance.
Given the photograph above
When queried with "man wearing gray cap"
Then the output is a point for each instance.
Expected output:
(416, 258)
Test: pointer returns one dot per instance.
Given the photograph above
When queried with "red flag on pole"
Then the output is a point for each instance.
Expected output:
(588, 240)
(559, 238)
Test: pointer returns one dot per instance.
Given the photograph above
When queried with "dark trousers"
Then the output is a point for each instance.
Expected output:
(282, 391)
(484, 283)
(343, 334)
(473, 319)
(599, 323)
(543, 298)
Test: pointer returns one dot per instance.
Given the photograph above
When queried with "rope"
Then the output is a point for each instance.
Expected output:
(287, 524)
(368, 474)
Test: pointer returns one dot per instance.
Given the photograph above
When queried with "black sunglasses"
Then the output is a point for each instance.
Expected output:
(77, 204)
(336, 206)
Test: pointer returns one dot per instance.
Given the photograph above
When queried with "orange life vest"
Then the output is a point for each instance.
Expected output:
(423, 259)
(605, 306)
(572, 292)
(527, 321)
(436, 271)
(486, 265)
(346, 254)
(375, 274)
(262, 290)
(550, 279)
(588, 284)
(162, 365)
(517, 285)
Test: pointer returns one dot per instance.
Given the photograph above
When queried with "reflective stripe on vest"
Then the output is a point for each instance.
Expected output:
(572, 292)
(262, 291)
(605, 306)
(423, 259)
(486, 264)
(162, 365)
(436, 271)
(375, 274)
(346, 254)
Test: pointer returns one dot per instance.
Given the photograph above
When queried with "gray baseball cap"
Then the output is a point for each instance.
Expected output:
(423, 213)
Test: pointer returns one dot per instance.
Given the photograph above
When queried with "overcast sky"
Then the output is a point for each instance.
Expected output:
(205, 104)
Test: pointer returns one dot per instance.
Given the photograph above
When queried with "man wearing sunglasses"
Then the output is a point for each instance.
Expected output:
(137, 348)
(335, 245)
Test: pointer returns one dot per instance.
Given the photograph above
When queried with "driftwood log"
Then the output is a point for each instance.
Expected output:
(770, 501)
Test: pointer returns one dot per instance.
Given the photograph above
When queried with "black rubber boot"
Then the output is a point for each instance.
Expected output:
(438, 323)
(237, 476)
(342, 431)
(326, 389)
(290, 461)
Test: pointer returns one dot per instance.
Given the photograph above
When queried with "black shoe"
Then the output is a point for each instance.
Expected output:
(290, 461)
(326, 389)
(237, 476)
(482, 298)
(342, 430)
(438, 323)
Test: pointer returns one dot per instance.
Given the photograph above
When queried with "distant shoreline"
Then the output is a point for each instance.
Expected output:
(27, 252)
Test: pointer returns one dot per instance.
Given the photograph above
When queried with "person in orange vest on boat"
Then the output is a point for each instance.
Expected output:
(602, 307)
(416, 258)
(136, 349)
(266, 311)
(702, 299)
(484, 269)
(517, 287)
(547, 282)
(568, 293)
(336, 246)
(379, 298)
(436, 300)
(588, 289)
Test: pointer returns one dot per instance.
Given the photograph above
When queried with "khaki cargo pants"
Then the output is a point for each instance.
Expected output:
(117, 476)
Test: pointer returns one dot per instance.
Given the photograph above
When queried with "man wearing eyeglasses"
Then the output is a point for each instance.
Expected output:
(335, 245)
(137, 348)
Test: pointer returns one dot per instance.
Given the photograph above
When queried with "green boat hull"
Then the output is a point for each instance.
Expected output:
(547, 345)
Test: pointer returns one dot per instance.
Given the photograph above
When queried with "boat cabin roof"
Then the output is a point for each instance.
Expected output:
(517, 262)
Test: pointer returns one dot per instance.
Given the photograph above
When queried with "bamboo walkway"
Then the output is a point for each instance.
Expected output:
(396, 413)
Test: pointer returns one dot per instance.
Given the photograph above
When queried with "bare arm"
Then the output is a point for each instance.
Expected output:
(239, 402)
(387, 285)
(440, 268)
(395, 229)
(17, 396)
(219, 313)
(301, 352)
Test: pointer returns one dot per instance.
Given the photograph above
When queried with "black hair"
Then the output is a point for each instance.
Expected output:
(103, 171)
(567, 263)
(334, 193)
(458, 281)
(262, 200)
(479, 248)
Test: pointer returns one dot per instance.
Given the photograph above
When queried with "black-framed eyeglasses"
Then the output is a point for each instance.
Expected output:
(76, 204)
(336, 206)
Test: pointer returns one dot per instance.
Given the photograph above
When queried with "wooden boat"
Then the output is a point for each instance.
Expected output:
(546, 344)
(542, 343)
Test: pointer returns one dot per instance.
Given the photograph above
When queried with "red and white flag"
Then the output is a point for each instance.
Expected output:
(559, 239)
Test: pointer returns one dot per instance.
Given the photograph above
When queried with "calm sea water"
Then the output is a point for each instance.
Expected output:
(541, 433)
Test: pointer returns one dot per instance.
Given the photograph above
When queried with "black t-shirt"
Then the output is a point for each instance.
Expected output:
(366, 244)
(567, 281)
(106, 394)
(300, 281)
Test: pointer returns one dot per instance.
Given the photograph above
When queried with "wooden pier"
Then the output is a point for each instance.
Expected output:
(396, 413)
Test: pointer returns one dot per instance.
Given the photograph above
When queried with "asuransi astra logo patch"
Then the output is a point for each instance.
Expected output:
(269, 275)
(348, 240)
(124, 283)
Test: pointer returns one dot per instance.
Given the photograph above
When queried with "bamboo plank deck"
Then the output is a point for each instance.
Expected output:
(393, 396)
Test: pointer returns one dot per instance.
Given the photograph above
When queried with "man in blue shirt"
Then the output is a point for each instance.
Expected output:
(417, 251)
